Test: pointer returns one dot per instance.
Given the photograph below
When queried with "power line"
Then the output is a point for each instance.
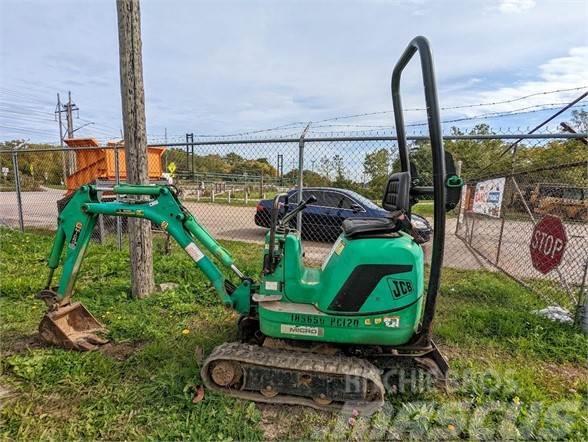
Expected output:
(22, 109)
(101, 125)
(25, 119)
(25, 129)
(22, 96)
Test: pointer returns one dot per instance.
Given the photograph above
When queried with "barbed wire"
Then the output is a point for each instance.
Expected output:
(455, 120)
(505, 113)
(465, 106)
(315, 125)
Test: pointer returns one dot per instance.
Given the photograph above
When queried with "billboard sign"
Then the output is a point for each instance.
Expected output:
(488, 197)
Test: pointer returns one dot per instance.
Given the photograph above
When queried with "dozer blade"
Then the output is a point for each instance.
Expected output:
(73, 327)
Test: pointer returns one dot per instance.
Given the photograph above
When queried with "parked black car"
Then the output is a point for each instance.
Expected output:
(321, 221)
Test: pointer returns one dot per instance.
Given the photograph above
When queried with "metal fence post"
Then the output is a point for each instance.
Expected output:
(18, 190)
(187, 156)
(117, 181)
(301, 174)
(472, 229)
(582, 307)
(461, 199)
(503, 208)
(499, 240)
(101, 231)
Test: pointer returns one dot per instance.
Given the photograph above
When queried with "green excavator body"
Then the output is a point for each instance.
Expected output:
(368, 291)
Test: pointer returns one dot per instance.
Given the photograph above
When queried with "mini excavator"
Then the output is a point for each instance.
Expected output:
(321, 337)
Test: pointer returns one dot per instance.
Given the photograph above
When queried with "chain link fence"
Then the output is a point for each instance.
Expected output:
(537, 233)
(229, 185)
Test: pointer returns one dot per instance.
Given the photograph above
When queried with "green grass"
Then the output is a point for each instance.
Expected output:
(237, 198)
(224, 201)
(513, 374)
(424, 208)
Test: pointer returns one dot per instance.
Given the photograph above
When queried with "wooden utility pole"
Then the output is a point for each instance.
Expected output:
(63, 153)
(133, 109)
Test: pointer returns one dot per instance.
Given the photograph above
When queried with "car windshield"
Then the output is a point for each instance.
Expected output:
(573, 193)
(364, 201)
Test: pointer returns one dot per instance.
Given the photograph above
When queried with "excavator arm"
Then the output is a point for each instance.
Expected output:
(71, 325)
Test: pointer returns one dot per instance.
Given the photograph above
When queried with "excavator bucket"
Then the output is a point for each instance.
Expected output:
(73, 327)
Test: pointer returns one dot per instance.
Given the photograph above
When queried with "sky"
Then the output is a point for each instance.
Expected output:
(226, 67)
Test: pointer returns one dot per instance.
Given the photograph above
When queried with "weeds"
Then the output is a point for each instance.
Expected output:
(513, 374)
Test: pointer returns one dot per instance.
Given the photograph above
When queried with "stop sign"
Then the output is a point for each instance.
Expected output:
(548, 243)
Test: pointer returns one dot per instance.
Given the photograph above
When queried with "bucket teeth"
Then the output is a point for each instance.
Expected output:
(73, 327)
(90, 342)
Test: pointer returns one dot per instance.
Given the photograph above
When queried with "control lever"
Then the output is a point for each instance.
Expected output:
(269, 264)
(286, 219)
(405, 224)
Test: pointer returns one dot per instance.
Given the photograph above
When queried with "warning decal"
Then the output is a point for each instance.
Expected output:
(193, 250)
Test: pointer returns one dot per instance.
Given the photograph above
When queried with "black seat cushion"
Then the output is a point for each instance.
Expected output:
(354, 227)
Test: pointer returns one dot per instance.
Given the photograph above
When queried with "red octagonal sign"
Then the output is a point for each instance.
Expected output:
(548, 243)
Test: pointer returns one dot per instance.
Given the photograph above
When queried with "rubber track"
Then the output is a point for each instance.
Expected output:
(298, 361)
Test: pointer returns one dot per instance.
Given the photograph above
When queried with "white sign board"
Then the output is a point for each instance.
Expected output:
(488, 197)
(5, 171)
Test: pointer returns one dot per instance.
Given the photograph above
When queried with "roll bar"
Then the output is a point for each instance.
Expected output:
(421, 45)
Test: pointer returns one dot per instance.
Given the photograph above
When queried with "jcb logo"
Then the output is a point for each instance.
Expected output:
(400, 287)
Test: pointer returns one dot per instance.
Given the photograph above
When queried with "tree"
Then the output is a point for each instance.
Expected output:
(580, 120)
(35, 167)
(233, 158)
(338, 167)
(133, 107)
(326, 167)
(212, 163)
(311, 178)
(479, 157)
(377, 164)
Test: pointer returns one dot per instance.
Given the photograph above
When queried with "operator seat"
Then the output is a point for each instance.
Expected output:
(396, 197)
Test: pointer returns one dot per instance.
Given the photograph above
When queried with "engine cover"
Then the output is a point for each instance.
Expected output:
(368, 291)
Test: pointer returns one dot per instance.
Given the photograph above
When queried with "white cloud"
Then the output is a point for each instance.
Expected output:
(516, 6)
(567, 72)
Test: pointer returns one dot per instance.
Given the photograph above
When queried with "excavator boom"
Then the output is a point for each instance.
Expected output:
(71, 325)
